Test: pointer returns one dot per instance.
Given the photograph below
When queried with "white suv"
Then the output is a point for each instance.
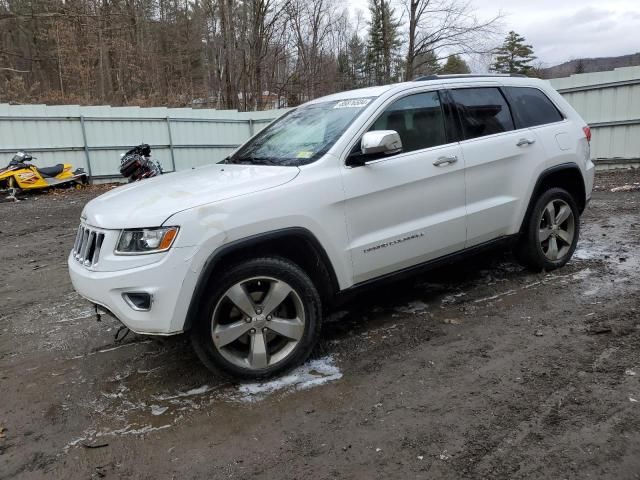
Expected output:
(342, 191)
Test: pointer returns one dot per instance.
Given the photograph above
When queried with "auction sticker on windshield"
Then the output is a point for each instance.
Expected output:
(353, 103)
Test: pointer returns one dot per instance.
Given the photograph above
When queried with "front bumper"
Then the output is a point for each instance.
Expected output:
(168, 281)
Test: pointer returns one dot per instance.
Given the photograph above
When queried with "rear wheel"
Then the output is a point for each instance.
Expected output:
(261, 317)
(551, 232)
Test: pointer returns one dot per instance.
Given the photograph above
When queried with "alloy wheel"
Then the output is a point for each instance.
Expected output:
(258, 322)
(557, 229)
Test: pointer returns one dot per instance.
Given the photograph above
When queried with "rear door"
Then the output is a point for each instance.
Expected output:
(407, 208)
(499, 158)
(532, 109)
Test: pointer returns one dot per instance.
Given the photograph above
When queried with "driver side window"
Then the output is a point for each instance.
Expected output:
(418, 119)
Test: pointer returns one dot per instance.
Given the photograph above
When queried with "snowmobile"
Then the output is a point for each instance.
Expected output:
(21, 175)
(137, 165)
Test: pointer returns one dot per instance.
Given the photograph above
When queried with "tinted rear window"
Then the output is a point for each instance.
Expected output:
(482, 111)
(532, 107)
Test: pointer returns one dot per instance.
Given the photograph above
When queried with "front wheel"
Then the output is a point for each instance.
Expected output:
(261, 317)
(551, 232)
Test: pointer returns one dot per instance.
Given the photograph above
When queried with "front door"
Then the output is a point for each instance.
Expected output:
(408, 208)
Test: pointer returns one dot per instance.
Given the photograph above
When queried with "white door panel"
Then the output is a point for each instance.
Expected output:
(498, 174)
(404, 210)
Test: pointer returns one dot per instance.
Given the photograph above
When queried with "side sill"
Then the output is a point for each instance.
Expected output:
(344, 295)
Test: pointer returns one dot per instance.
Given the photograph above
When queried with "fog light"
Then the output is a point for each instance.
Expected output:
(139, 301)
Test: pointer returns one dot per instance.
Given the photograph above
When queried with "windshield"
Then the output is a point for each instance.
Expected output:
(302, 135)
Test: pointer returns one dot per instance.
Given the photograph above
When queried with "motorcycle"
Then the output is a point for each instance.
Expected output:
(137, 165)
(21, 175)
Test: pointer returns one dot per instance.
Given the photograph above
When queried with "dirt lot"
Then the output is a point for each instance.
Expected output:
(480, 370)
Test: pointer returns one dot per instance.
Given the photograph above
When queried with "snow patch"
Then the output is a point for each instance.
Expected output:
(189, 393)
(311, 374)
(413, 308)
(495, 297)
(627, 188)
(582, 274)
(129, 430)
(590, 252)
(158, 410)
(92, 434)
(591, 292)
(453, 298)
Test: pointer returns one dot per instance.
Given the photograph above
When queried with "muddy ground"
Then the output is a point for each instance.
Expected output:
(480, 370)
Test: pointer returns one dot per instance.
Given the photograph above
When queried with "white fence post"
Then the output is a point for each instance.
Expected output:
(86, 147)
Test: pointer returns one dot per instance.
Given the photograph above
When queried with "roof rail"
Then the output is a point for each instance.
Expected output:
(472, 75)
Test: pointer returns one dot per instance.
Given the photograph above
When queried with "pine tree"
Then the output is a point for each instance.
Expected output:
(383, 43)
(514, 56)
(357, 50)
(455, 65)
(343, 69)
(426, 64)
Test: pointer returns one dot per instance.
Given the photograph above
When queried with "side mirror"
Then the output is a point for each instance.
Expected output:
(385, 142)
(376, 144)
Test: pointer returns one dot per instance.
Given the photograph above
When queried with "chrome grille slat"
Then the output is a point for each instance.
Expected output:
(89, 248)
(96, 252)
(76, 248)
(75, 245)
(85, 245)
(86, 249)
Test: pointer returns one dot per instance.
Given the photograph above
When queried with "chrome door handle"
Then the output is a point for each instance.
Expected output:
(443, 161)
(525, 141)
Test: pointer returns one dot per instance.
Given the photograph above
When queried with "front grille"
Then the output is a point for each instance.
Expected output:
(86, 250)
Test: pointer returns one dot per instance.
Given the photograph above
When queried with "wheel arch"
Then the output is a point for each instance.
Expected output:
(567, 176)
(296, 244)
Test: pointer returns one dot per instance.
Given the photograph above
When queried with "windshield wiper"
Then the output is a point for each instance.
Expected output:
(253, 161)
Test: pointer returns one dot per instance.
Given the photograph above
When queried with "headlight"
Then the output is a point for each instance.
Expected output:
(146, 240)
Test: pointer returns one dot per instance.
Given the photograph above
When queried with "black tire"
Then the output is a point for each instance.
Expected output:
(277, 268)
(529, 249)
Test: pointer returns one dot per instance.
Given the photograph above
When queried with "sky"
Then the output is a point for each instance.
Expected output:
(562, 30)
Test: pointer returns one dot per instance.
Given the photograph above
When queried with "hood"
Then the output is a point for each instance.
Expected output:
(150, 202)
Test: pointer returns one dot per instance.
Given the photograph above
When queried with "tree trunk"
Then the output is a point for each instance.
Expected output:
(411, 48)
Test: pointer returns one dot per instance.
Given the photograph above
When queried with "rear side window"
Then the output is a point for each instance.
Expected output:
(532, 107)
(418, 119)
(482, 111)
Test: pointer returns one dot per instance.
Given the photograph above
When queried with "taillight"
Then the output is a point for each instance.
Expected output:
(587, 133)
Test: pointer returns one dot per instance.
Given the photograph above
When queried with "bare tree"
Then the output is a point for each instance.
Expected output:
(266, 21)
(218, 53)
(313, 24)
(444, 28)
